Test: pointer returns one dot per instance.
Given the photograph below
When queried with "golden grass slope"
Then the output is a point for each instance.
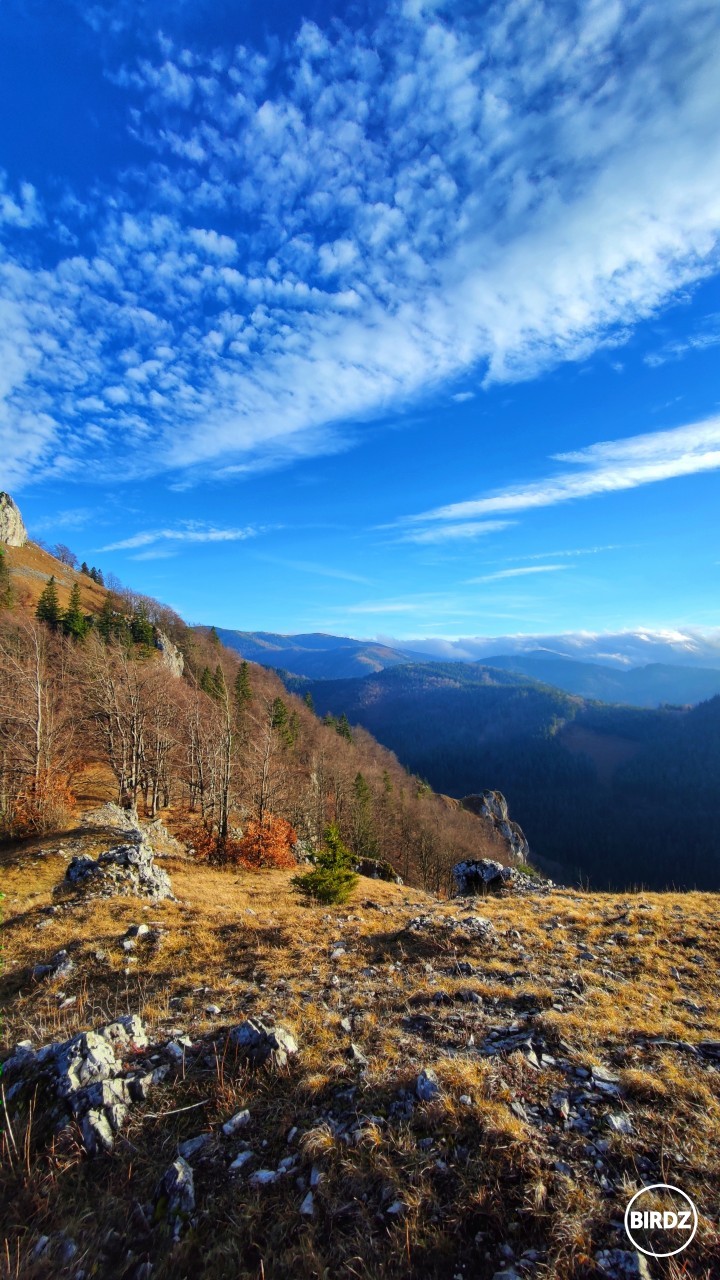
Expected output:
(457, 1187)
(31, 567)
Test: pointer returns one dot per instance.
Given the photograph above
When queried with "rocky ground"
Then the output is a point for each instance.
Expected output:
(230, 1082)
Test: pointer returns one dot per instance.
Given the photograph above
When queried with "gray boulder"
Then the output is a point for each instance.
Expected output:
(127, 870)
(61, 966)
(176, 1196)
(12, 529)
(263, 1045)
(112, 817)
(482, 875)
(83, 1078)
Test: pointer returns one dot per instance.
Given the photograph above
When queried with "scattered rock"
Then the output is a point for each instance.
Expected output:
(61, 966)
(194, 1146)
(243, 1158)
(262, 1177)
(307, 1208)
(263, 1045)
(239, 1121)
(618, 1123)
(623, 1264)
(176, 1196)
(355, 1055)
(377, 869)
(427, 1087)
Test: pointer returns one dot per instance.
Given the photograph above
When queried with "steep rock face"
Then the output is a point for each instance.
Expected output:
(12, 530)
(493, 805)
(171, 655)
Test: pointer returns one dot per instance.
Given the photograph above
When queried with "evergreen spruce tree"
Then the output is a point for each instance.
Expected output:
(243, 692)
(308, 700)
(343, 728)
(363, 841)
(48, 606)
(74, 622)
(282, 722)
(207, 683)
(107, 620)
(218, 684)
(141, 628)
(84, 569)
(332, 879)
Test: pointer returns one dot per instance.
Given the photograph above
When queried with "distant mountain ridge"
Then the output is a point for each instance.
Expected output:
(625, 794)
(318, 656)
(647, 686)
(315, 655)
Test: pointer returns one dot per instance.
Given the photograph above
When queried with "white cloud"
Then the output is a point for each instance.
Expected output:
(455, 532)
(607, 467)
(190, 532)
(461, 396)
(570, 552)
(446, 190)
(520, 572)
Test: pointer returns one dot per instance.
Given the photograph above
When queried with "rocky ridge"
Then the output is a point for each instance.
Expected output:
(12, 529)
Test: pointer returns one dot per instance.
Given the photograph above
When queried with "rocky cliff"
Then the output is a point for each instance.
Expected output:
(493, 805)
(12, 530)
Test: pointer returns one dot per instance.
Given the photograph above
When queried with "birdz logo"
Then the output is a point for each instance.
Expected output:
(661, 1220)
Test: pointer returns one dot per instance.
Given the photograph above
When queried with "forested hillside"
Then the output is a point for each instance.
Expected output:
(623, 795)
(110, 678)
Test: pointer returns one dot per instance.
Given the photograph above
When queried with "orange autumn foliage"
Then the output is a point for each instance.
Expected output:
(42, 804)
(265, 844)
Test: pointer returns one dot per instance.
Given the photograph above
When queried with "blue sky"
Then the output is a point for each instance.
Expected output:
(394, 319)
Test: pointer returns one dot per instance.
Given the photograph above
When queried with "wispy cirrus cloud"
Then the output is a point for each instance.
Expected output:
(455, 532)
(705, 337)
(325, 230)
(607, 467)
(569, 552)
(190, 531)
(322, 570)
(521, 572)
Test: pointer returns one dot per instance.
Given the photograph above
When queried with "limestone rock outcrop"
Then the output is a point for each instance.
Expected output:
(128, 870)
(494, 806)
(171, 656)
(12, 529)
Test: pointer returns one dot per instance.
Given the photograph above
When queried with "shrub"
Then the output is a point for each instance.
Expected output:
(332, 879)
(265, 844)
(42, 804)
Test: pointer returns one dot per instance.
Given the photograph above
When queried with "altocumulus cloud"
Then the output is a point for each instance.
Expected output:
(325, 230)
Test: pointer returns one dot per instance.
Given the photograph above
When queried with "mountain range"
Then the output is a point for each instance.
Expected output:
(616, 679)
(615, 794)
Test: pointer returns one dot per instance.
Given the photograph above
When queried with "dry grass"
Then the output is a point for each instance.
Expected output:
(31, 567)
(470, 1171)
